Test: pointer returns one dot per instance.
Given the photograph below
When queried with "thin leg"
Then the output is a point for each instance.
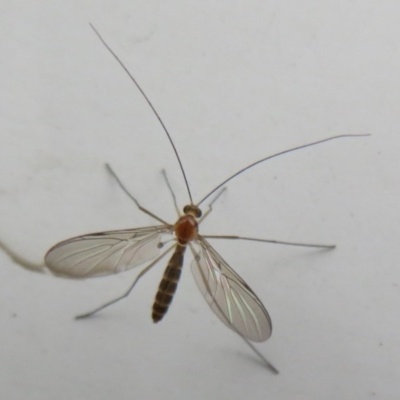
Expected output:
(210, 205)
(264, 360)
(111, 171)
(88, 314)
(20, 260)
(321, 246)
(171, 191)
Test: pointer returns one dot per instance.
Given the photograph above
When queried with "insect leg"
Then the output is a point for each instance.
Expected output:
(231, 237)
(88, 314)
(211, 203)
(20, 260)
(171, 191)
(265, 361)
(114, 175)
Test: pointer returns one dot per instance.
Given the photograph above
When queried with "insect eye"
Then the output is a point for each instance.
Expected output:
(192, 210)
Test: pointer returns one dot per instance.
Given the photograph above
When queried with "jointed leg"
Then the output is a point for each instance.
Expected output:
(111, 171)
(171, 191)
(211, 203)
(265, 361)
(322, 246)
(20, 260)
(88, 314)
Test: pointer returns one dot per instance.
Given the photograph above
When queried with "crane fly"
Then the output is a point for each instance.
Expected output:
(111, 252)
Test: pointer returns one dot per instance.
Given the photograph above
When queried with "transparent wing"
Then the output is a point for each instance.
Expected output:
(229, 296)
(105, 253)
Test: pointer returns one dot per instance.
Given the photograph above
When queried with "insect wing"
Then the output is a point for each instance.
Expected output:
(105, 253)
(229, 296)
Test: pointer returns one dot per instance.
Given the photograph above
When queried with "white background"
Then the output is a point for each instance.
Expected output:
(234, 82)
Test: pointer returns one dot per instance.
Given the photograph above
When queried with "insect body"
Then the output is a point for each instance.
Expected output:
(168, 284)
(111, 252)
(186, 230)
(230, 298)
(105, 253)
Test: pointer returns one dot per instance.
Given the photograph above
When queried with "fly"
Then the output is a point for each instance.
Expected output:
(106, 253)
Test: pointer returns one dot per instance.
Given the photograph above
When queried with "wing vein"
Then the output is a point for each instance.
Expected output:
(228, 295)
(105, 253)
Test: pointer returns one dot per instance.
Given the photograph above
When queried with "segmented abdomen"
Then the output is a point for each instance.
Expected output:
(168, 284)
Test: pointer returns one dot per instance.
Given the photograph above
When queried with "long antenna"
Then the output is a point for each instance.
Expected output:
(151, 106)
(276, 155)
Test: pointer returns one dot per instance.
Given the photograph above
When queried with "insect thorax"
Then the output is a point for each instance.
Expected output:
(186, 228)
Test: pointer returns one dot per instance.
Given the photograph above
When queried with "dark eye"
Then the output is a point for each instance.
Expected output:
(192, 210)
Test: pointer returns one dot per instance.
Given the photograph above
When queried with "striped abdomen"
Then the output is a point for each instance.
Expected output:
(168, 284)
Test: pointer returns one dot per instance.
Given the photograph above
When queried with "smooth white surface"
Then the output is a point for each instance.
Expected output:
(234, 82)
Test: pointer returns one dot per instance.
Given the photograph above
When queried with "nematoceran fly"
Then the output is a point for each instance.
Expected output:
(106, 253)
